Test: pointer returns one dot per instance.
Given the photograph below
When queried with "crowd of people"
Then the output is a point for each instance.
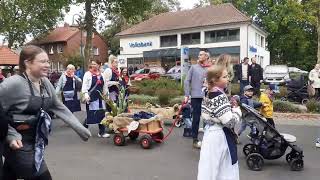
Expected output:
(25, 122)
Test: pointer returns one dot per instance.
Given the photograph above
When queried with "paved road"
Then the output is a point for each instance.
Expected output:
(69, 158)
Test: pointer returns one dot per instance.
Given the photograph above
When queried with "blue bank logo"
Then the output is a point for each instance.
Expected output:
(140, 44)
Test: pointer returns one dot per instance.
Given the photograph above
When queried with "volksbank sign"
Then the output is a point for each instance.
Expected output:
(140, 44)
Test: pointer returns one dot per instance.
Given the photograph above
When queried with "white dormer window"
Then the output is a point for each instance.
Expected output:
(59, 48)
(51, 50)
(96, 51)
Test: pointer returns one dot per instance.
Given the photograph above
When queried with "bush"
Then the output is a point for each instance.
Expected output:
(285, 106)
(150, 87)
(143, 99)
(235, 88)
(313, 106)
(176, 100)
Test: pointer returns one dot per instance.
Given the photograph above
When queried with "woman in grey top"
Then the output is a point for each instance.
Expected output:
(27, 97)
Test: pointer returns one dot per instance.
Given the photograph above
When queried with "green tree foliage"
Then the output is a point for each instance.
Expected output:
(292, 26)
(119, 22)
(129, 9)
(19, 18)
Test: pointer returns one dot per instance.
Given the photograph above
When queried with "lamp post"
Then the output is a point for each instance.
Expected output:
(80, 24)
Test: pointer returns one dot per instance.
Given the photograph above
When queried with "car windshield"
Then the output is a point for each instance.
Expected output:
(276, 69)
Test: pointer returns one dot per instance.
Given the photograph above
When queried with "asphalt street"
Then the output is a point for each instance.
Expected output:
(69, 158)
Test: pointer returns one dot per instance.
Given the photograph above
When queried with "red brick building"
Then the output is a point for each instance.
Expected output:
(64, 42)
(8, 57)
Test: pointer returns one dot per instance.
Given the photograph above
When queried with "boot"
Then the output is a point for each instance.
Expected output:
(187, 132)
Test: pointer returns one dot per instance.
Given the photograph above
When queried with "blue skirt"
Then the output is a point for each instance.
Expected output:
(73, 105)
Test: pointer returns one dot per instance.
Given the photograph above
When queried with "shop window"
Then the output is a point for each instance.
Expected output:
(168, 41)
(192, 38)
(222, 35)
(234, 35)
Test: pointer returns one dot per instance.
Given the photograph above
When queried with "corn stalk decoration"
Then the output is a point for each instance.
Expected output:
(116, 109)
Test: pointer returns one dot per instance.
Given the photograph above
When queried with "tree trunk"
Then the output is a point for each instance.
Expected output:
(318, 31)
(10, 40)
(88, 28)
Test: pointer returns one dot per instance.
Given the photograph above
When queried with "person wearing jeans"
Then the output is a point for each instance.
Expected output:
(193, 85)
(244, 74)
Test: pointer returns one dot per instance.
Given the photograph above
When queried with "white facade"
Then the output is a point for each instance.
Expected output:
(247, 42)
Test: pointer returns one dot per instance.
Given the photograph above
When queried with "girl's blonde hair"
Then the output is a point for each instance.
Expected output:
(224, 60)
(213, 75)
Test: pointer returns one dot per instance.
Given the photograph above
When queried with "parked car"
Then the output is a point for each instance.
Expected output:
(276, 74)
(174, 73)
(147, 73)
(297, 70)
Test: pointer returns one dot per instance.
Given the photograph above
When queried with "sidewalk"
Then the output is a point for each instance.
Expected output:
(300, 119)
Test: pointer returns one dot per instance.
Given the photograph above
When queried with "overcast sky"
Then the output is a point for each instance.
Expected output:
(185, 4)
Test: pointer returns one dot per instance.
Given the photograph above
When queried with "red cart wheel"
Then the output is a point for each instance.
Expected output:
(146, 141)
(119, 139)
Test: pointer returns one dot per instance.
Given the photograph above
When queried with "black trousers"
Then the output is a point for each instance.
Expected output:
(196, 113)
(8, 174)
(256, 87)
(1, 163)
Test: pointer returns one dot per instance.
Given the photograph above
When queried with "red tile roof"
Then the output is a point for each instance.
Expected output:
(198, 17)
(59, 34)
(8, 56)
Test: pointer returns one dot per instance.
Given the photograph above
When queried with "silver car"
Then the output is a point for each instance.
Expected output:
(276, 74)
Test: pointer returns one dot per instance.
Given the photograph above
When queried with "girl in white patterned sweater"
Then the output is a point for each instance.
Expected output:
(218, 156)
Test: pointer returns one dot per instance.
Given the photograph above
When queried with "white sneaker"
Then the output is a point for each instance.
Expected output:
(201, 130)
(105, 135)
(197, 144)
(318, 143)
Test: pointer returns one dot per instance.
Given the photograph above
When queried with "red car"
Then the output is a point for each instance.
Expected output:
(147, 73)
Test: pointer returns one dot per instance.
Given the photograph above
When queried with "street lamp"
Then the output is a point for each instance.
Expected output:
(81, 43)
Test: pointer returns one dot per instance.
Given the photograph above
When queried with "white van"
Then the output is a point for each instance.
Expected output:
(276, 74)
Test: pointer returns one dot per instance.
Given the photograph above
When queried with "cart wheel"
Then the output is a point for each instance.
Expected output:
(255, 162)
(157, 137)
(177, 124)
(296, 164)
(119, 139)
(133, 135)
(249, 148)
(304, 101)
(146, 141)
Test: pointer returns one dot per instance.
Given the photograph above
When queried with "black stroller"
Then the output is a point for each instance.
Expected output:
(268, 143)
(297, 90)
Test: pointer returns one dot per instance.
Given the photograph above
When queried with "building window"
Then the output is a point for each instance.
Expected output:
(260, 40)
(192, 38)
(222, 35)
(59, 48)
(168, 41)
(95, 51)
(234, 35)
(51, 50)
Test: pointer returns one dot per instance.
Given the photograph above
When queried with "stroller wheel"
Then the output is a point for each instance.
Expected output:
(296, 164)
(119, 139)
(255, 162)
(178, 124)
(304, 101)
(249, 148)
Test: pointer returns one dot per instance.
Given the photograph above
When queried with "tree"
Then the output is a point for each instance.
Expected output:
(120, 23)
(312, 9)
(129, 9)
(18, 18)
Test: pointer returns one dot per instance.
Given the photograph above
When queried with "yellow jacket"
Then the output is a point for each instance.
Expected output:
(267, 106)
